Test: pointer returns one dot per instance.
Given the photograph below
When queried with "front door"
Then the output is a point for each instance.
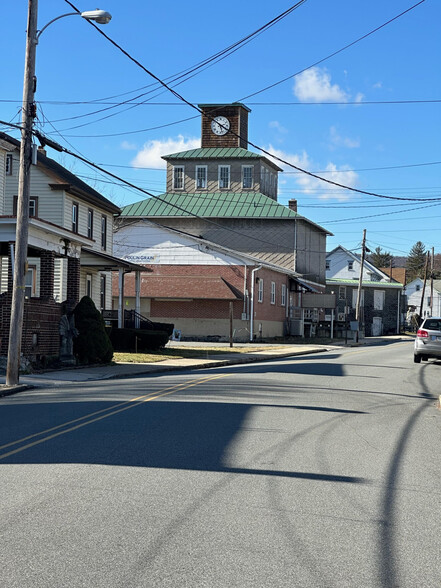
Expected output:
(377, 326)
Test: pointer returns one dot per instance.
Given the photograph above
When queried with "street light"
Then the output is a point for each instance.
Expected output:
(22, 227)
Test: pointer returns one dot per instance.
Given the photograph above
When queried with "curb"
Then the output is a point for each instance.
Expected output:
(9, 390)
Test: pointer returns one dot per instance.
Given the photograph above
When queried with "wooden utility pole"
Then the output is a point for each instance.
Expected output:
(424, 285)
(431, 281)
(360, 282)
(24, 185)
(231, 324)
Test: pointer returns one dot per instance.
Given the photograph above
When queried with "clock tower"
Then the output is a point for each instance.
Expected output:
(224, 125)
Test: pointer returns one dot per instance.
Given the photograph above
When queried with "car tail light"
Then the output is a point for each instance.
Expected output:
(422, 333)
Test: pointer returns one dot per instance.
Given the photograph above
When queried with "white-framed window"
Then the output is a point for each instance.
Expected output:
(33, 206)
(247, 176)
(354, 298)
(89, 285)
(342, 292)
(224, 176)
(90, 223)
(103, 288)
(283, 298)
(8, 169)
(350, 265)
(104, 232)
(273, 292)
(328, 264)
(178, 177)
(31, 281)
(75, 210)
(379, 299)
(260, 290)
(201, 177)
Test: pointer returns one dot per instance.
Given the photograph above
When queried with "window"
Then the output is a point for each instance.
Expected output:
(8, 170)
(201, 177)
(354, 298)
(379, 299)
(103, 232)
(90, 223)
(260, 290)
(75, 208)
(247, 176)
(224, 176)
(103, 293)
(178, 177)
(33, 206)
(350, 265)
(31, 281)
(417, 288)
(328, 264)
(89, 285)
(283, 300)
(273, 292)
(428, 301)
(342, 292)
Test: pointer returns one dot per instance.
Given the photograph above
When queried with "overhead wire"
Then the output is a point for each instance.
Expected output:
(271, 155)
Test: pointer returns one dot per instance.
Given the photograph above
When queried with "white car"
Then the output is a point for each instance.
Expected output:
(428, 340)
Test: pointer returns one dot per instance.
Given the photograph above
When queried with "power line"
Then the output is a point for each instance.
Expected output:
(192, 71)
(332, 54)
(271, 155)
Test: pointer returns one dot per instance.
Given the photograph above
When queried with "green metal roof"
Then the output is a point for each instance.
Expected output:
(219, 153)
(214, 205)
(366, 283)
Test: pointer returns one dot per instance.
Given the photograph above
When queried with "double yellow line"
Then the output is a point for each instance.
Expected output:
(93, 417)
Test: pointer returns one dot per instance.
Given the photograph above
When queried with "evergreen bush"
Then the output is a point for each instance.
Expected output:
(93, 343)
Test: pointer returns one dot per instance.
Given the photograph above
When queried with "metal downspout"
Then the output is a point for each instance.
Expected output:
(256, 269)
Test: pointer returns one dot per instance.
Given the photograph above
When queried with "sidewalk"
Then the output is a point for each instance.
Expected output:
(253, 353)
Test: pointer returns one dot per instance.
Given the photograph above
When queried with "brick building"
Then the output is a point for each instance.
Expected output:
(227, 195)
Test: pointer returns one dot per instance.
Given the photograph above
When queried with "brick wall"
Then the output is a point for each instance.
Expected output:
(73, 279)
(40, 336)
(47, 268)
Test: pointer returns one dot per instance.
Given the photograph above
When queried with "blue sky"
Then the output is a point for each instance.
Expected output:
(347, 142)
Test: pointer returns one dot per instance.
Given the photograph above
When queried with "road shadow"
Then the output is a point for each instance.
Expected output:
(160, 434)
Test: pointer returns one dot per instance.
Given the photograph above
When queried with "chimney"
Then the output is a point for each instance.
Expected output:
(41, 150)
(292, 204)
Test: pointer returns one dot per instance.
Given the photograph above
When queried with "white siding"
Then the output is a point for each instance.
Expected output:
(2, 180)
(50, 202)
(146, 243)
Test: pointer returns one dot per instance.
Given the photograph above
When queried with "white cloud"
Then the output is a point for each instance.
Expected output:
(128, 146)
(152, 152)
(339, 141)
(274, 124)
(378, 85)
(310, 185)
(314, 85)
(359, 97)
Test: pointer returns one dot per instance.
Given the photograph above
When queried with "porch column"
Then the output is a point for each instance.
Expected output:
(121, 298)
(73, 279)
(137, 299)
(47, 274)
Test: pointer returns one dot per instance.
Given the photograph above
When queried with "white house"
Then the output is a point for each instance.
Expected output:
(414, 292)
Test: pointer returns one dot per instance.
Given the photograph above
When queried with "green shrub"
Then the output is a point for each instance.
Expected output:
(93, 343)
(124, 339)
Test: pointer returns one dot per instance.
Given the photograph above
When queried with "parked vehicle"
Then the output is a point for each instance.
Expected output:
(428, 340)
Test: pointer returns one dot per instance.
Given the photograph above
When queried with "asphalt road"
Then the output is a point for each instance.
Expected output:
(315, 471)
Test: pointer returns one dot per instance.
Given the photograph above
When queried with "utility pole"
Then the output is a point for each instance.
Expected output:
(431, 281)
(424, 285)
(24, 183)
(360, 282)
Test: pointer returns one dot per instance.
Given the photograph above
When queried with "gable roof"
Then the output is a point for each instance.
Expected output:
(356, 257)
(220, 153)
(70, 182)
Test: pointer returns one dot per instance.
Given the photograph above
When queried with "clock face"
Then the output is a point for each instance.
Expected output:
(220, 125)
